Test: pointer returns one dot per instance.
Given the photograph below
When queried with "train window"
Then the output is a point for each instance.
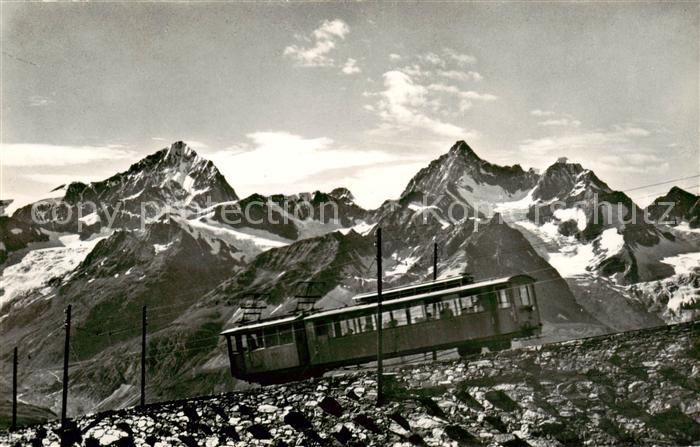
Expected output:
(254, 341)
(431, 311)
(369, 323)
(453, 302)
(321, 328)
(503, 300)
(347, 327)
(394, 318)
(465, 303)
(525, 296)
(445, 309)
(271, 338)
(417, 313)
(241, 344)
(286, 335)
(470, 304)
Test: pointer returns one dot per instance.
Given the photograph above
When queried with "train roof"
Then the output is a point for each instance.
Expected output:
(419, 297)
(439, 284)
(262, 324)
(365, 306)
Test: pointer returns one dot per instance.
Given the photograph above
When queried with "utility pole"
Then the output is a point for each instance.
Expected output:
(143, 356)
(380, 353)
(435, 259)
(66, 350)
(13, 427)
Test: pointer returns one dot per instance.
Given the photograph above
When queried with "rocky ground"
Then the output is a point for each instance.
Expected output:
(634, 388)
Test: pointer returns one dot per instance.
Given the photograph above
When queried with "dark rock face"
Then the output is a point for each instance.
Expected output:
(676, 206)
(636, 388)
(326, 261)
(16, 235)
(288, 216)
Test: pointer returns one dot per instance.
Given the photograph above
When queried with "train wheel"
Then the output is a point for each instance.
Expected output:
(468, 351)
(498, 345)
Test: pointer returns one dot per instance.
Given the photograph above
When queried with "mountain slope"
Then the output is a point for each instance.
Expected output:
(172, 179)
(16, 234)
(676, 206)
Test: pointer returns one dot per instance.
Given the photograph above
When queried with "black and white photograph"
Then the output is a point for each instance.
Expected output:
(349, 223)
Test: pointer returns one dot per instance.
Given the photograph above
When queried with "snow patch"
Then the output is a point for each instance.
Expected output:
(482, 193)
(401, 266)
(573, 260)
(611, 242)
(684, 264)
(249, 241)
(685, 227)
(362, 228)
(37, 267)
(160, 248)
(90, 219)
(575, 214)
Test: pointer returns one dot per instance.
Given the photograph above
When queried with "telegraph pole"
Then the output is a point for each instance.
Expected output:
(143, 356)
(380, 353)
(66, 350)
(435, 259)
(13, 427)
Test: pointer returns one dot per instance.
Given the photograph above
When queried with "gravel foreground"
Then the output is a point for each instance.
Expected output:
(634, 388)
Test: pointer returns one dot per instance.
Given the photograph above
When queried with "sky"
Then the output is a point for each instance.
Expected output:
(291, 97)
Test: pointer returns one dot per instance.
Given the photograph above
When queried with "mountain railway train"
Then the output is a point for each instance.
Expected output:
(437, 315)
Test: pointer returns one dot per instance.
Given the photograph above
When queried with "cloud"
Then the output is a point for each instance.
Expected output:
(446, 57)
(431, 59)
(276, 161)
(460, 58)
(539, 112)
(321, 42)
(560, 122)
(40, 101)
(469, 94)
(465, 98)
(404, 104)
(196, 145)
(351, 67)
(563, 120)
(61, 179)
(619, 149)
(28, 154)
(457, 75)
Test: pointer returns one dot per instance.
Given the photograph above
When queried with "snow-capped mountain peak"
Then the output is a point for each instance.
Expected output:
(174, 178)
(461, 173)
(563, 179)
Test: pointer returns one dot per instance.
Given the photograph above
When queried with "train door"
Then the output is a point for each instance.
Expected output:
(302, 343)
(490, 303)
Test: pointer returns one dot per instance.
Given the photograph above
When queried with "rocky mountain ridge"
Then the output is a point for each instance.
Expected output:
(191, 260)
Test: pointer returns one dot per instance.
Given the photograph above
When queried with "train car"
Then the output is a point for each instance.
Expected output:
(437, 315)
